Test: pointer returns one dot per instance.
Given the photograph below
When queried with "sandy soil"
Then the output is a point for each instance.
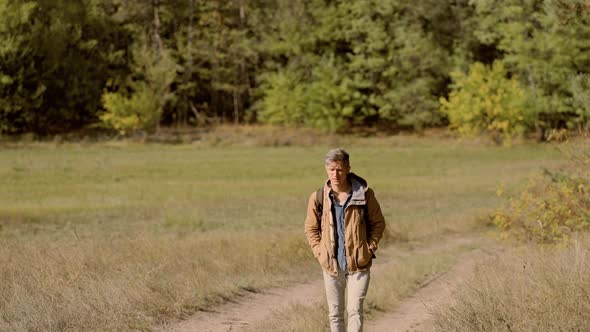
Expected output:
(413, 314)
(250, 309)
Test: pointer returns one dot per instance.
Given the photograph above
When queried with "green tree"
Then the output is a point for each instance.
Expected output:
(486, 100)
(55, 59)
(284, 101)
(362, 62)
(17, 101)
(215, 47)
(580, 88)
(138, 103)
(141, 108)
(545, 43)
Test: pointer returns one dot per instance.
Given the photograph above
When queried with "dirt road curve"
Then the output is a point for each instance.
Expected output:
(411, 315)
(250, 309)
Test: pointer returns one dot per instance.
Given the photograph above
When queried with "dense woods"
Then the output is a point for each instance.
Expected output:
(501, 66)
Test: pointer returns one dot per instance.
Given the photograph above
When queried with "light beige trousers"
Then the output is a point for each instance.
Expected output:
(357, 284)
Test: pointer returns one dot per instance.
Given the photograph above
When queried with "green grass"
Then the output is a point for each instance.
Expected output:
(170, 229)
(245, 187)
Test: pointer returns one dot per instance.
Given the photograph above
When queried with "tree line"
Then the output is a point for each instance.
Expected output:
(505, 66)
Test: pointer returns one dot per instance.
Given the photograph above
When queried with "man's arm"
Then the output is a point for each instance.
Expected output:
(313, 225)
(375, 219)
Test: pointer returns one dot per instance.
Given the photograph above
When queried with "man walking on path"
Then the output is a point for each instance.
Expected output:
(343, 226)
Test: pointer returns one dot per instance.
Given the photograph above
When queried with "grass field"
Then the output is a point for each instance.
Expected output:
(118, 236)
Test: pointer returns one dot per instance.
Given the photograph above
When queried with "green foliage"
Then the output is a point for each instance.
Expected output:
(363, 62)
(552, 207)
(485, 100)
(284, 101)
(216, 49)
(16, 100)
(331, 96)
(546, 211)
(55, 58)
(141, 110)
(545, 43)
(129, 114)
(323, 104)
(580, 87)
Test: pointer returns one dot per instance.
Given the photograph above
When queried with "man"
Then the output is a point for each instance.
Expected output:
(343, 229)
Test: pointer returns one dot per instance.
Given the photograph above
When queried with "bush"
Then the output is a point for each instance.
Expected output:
(553, 206)
(129, 114)
(485, 100)
(142, 108)
(327, 101)
(284, 99)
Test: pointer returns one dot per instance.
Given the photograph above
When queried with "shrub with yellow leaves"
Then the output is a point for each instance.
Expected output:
(554, 205)
(485, 100)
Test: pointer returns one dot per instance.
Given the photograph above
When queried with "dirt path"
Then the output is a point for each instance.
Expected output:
(250, 309)
(412, 315)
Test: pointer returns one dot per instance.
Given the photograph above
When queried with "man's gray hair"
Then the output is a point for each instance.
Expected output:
(337, 155)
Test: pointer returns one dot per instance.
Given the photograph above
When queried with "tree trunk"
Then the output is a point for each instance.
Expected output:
(189, 47)
(240, 70)
(236, 105)
(159, 46)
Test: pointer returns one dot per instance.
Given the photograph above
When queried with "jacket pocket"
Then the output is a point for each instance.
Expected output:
(324, 257)
(363, 255)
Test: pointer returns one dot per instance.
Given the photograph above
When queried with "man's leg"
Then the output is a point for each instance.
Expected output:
(358, 284)
(335, 287)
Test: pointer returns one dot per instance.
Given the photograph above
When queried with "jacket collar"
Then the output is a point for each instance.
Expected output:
(359, 187)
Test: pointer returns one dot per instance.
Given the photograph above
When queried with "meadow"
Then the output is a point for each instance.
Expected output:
(127, 236)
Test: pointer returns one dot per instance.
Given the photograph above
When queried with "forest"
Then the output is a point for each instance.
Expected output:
(505, 67)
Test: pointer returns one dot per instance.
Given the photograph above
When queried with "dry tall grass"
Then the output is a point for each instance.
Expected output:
(133, 283)
(531, 289)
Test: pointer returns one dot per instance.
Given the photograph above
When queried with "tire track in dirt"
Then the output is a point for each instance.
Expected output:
(415, 313)
(411, 315)
(249, 309)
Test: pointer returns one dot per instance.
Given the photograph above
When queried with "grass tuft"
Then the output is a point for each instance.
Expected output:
(525, 289)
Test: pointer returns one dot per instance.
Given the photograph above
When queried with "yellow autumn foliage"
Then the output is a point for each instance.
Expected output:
(555, 205)
(485, 100)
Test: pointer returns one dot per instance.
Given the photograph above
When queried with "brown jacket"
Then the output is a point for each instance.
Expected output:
(361, 234)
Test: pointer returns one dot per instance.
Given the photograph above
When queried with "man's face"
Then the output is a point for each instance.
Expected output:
(337, 172)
